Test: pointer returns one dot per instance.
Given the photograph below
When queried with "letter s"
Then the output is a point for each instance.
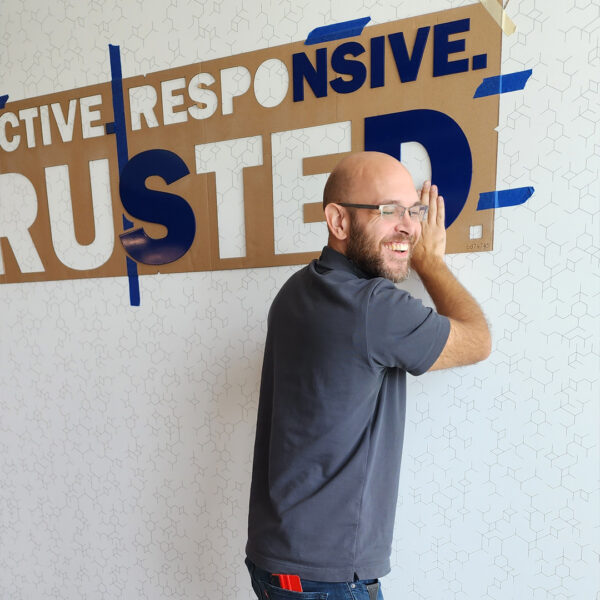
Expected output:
(156, 207)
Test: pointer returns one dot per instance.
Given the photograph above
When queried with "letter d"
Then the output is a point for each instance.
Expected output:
(443, 139)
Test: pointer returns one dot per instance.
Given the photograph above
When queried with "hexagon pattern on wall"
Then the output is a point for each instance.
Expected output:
(126, 434)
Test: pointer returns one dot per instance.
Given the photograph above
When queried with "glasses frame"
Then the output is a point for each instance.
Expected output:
(423, 209)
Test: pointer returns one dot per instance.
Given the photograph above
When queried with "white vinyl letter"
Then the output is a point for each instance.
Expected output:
(227, 160)
(45, 120)
(142, 101)
(18, 211)
(291, 189)
(28, 115)
(65, 127)
(271, 83)
(89, 116)
(6, 144)
(68, 250)
(201, 95)
(171, 100)
(235, 81)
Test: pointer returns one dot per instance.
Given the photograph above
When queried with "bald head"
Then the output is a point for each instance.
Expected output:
(367, 177)
(363, 178)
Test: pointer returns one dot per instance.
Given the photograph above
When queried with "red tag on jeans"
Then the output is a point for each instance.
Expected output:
(289, 582)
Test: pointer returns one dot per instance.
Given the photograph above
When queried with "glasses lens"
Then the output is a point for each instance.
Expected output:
(417, 213)
(388, 210)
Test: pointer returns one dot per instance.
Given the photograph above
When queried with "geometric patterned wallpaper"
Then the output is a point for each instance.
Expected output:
(126, 433)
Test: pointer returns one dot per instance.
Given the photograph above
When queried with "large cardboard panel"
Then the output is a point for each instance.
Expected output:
(42, 147)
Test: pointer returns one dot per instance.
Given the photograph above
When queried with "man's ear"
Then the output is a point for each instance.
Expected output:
(337, 221)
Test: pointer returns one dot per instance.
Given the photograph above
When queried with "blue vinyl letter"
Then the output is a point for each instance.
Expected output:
(354, 68)
(408, 65)
(377, 61)
(156, 207)
(443, 47)
(303, 69)
(445, 142)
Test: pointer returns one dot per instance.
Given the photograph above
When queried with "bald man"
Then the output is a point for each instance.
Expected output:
(341, 337)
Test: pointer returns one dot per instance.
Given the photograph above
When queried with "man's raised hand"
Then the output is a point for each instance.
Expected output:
(432, 243)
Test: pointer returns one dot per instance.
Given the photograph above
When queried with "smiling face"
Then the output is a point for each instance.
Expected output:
(379, 245)
(378, 250)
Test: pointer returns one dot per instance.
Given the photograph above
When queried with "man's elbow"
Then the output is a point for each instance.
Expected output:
(479, 346)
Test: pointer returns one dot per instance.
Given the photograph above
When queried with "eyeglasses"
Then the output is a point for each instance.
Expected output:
(389, 211)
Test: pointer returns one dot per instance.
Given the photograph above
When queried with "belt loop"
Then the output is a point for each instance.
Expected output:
(373, 589)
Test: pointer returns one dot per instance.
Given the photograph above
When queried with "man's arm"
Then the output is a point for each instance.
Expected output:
(469, 340)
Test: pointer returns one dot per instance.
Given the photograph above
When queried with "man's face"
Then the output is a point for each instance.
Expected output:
(379, 244)
(382, 246)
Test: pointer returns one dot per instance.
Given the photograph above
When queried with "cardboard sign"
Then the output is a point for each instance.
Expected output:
(222, 154)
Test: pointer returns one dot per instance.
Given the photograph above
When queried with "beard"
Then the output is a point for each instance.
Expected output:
(367, 254)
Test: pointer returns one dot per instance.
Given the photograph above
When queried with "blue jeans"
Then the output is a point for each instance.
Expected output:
(266, 589)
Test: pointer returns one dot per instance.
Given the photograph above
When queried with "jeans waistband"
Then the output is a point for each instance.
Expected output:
(264, 580)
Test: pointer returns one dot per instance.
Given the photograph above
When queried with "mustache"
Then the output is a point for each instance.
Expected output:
(401, 237)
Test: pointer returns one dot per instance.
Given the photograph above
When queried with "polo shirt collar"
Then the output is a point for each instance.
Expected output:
(332, 259)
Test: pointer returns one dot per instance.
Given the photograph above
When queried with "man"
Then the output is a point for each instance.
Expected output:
(340, 339)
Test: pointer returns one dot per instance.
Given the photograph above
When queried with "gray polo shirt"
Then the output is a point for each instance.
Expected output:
(331, 420)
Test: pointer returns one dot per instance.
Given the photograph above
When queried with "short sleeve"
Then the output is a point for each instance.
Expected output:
(401, 331)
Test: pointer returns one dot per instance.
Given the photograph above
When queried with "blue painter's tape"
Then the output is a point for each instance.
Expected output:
(120, 131)
(118, 105)
(3, 100)
(109, 128)
(337, 31)
(501, 84)
(134, 282)
(502, 198)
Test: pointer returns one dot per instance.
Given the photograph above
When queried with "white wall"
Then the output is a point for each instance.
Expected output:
(126, 433)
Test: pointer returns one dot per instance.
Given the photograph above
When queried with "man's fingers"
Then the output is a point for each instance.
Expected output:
(432, 203)
(425, 193)
(441, 211)
(437, 211)
(432, 241)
